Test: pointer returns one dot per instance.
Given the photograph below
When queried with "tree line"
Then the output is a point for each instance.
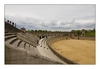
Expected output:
(87, 32)
(41, 31)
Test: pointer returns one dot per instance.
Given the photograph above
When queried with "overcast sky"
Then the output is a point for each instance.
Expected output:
(60, 17)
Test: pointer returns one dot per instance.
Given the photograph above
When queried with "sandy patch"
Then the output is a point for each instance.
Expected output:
(80, 51)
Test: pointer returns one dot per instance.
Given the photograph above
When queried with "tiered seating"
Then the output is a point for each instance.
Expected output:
(29, 38)
(22, 48)
(19, 52)
(13, 40)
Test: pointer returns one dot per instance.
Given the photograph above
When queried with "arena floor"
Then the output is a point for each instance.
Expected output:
(80, 51)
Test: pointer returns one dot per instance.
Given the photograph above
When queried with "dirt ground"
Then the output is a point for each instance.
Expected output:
(80, 51)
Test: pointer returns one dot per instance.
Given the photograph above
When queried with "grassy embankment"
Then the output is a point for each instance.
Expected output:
(92, 34)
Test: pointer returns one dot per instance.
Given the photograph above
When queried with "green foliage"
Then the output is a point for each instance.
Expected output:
(44, 30)
(32, 30)
(35, 30)
(73, 30)
(94, 30)
(78, 32)
(39, 30)
(87, 32)
(90, 34)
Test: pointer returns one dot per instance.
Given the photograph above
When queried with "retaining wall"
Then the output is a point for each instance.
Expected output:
(54, 39)
(85, 38)
(51, 40)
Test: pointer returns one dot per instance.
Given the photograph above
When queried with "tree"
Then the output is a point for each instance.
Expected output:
(35, 30)
(73, 30)
(32, 30)
(93, 29)
(45, 30)
(39, 30)
(78, 32)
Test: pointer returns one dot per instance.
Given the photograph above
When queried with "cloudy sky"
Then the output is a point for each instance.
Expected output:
(61, 17)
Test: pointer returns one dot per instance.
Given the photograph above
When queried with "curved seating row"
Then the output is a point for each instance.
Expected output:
(13, 40)
(46, 51)
(18, 51)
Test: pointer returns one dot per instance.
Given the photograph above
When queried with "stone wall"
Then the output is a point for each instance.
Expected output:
(54, 39)
(85, 38)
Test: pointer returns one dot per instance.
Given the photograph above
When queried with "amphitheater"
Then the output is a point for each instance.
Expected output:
(22, 48)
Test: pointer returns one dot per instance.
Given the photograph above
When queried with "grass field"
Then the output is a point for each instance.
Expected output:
(90, 34)
(80, 51)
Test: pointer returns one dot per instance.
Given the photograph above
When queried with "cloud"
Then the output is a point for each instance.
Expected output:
(52, 17)
(36, 24)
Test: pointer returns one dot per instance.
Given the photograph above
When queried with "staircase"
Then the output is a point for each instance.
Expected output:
(13, 40)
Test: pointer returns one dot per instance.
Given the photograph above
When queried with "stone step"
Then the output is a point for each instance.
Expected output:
(6, 34)
(24, 45)
(10, 40)
(9, 37)
(27, 46)
(6, 31)
(13, 41)
(16, 42)
(34, 49)
(21, 45)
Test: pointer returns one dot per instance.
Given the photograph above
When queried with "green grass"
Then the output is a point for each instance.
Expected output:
(90, 34)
